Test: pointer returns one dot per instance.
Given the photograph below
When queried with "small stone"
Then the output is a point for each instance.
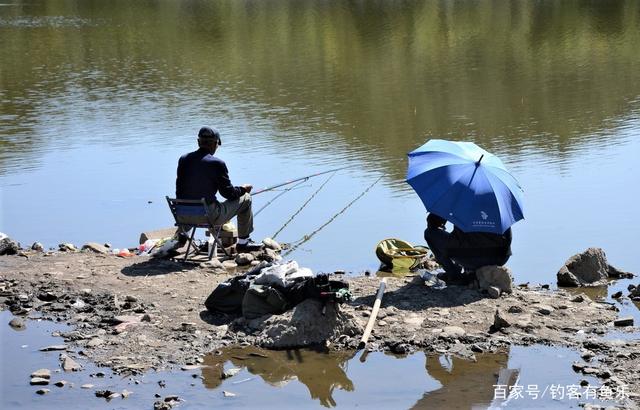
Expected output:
(604, 374)
(39, 381)
(61, 383)
(67, 247)
(228, 394)
(146, 318)
(17, 323)
(113, 396)
(68, 364)
(617, 295)
(126, 393)
(42, 373)
(104, 393)
(130, 298)
(578, 299)
(500, 321)
(514, 309)
(453, 331)
(624, 321)
(584, 383)
(42, 391)
(229, 264)
(587, 355)
(577, 367)
(271, 244)
(268, 255)
(545, 310)
(47, 296)
(95, 342)
(160, 405)
(190, 367)
(230, 372)
(243, 259)
(87, 386)
(37, 246)
(476, 348)
(400, 348)
(53, 347)
(494, 292)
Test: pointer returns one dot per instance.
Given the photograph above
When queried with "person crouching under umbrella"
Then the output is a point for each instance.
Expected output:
(461, 253)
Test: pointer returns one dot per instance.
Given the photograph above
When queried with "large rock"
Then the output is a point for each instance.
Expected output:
(95, 247)
(589, 268)
(495, 276)
(306, 325)
(9, 246)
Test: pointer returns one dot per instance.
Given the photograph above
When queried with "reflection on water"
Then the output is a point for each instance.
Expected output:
(98, 100)
(320, 373)
(465, 384)
(416, 381)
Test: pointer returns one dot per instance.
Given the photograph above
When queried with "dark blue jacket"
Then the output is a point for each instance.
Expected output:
(201, 175)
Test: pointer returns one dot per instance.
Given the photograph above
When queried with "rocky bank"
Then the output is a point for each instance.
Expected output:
(135, 314)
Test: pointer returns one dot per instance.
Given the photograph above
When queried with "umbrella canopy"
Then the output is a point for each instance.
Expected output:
(466, 185)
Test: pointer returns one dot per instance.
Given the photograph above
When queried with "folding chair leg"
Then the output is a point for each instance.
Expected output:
(186, 255)
(219, 241)
(214, 242)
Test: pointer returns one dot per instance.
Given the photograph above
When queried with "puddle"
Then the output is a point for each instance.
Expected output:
(294, 378)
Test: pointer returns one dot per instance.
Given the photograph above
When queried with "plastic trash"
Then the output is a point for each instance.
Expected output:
(431, 280)
(148, 245)
(282, 274)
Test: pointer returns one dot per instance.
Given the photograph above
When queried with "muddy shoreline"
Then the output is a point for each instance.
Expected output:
(137, 314)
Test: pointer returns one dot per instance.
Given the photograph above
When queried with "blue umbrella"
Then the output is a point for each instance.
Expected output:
(466, 185)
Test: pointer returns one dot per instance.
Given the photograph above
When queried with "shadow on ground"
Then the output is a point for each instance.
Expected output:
(415, 296)
(154, 266)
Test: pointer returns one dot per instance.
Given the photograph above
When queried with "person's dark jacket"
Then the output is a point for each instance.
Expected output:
(201, 175)
(462, 243)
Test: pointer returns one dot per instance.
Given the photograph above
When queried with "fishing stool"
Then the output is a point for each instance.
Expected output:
(191, 214)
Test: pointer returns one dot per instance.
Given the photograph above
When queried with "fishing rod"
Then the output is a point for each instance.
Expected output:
(296, 180)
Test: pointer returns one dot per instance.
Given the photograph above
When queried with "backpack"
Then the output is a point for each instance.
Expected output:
(260, 300)
(227, 296)
(399, 254)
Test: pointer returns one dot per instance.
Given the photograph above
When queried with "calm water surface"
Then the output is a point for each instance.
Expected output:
(98, 100)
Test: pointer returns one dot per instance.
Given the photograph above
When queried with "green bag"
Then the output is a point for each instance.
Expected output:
(262, 300)
(399, 254)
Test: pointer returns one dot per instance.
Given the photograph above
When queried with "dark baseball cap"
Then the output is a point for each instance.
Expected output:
(208, 132)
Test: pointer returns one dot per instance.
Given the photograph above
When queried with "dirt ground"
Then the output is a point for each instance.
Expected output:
(135, 314)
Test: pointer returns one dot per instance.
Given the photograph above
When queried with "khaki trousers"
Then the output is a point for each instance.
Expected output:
(222, 212)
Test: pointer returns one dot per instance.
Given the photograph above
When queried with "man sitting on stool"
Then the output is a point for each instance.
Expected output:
(458, 250)
(201, 175)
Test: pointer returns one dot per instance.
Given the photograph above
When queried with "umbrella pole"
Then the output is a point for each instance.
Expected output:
(374, 314)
